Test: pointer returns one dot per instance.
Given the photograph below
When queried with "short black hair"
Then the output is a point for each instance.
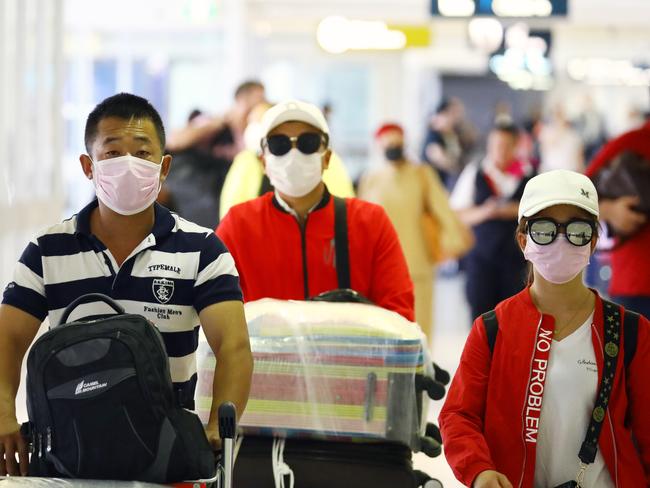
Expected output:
(443, 105)
(507, 126)
(123, 106)
(248, 86)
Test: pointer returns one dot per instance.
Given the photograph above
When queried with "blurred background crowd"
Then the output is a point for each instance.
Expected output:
(438, 108)
(465, 89)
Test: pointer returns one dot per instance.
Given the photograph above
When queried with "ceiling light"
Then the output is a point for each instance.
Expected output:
(337, 35)
(456, 8)
(485, 34)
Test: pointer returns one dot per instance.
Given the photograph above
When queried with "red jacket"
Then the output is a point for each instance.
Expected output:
(271, 251)
(632, 255)
(482, 418)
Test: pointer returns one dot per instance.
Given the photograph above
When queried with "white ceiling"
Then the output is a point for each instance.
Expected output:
(616, 13)
(147, 14)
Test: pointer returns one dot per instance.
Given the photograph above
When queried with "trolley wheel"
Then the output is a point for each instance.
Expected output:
(430, 447)
(433, 431)
(441, 375)
(434, 389)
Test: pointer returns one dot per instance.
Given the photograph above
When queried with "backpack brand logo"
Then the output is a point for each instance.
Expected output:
(87, 386)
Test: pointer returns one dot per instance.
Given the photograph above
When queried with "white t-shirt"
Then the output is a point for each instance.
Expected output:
(569, 394)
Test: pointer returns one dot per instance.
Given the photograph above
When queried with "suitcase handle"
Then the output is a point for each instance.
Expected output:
(91, 297)
(227, 415)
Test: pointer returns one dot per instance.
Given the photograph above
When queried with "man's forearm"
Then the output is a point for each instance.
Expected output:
(472, 216)
(10, 363)
(191, 135)
(232, 381)
(17, 330)
(508, 211)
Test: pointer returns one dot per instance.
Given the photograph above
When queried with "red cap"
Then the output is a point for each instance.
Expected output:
(388, 128)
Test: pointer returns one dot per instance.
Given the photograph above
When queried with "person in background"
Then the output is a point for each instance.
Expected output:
(222, 135)
(544, 373)
(560, 144)
(486, 198)
(407, 191)
(529, 138)
(442, 147)
(203, 152)
(591, 127)
(126, 246)
(165, 196)
(630, 259)
(284, 243)
(246, 179)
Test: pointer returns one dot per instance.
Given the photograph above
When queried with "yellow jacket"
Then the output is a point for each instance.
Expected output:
(244, 179)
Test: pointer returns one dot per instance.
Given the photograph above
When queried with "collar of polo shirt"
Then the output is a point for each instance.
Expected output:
(162, 226)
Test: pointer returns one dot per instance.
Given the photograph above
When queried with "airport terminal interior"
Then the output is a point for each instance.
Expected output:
(445, 86)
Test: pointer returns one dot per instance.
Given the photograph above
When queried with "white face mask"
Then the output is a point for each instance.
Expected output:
(294, 174)
(127, 185)
(558, 262)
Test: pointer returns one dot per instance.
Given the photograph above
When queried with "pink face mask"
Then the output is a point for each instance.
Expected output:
(558, 262)
(127, 185)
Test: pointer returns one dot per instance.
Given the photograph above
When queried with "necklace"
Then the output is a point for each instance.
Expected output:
(570, 321)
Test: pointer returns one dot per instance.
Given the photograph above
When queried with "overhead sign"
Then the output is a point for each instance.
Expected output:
(338, 35)
(499, 8)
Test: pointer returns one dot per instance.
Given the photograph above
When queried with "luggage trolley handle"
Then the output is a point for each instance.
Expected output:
(227, 431)
(90, 297)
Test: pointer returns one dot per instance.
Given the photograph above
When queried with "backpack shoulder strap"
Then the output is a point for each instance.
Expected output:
(341, 242)
(491, 328)
(630, 332)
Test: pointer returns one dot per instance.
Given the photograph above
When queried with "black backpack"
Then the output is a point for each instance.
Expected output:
(101, 404)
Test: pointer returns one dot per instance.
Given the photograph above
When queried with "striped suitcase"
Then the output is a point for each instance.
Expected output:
(335, 371)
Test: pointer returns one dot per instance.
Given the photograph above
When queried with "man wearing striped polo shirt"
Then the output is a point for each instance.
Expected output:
(154, 263)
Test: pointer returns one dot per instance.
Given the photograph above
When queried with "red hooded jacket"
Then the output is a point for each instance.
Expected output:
(277, 259)
(482, 420)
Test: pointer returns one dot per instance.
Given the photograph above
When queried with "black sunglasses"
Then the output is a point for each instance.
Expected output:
(544, 230)
(307, 143)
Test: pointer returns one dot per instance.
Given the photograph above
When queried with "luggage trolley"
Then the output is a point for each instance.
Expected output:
(227, 431)
(222, 479)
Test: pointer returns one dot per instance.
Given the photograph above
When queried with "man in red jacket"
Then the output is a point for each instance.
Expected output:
(283, 242)
(630, 284)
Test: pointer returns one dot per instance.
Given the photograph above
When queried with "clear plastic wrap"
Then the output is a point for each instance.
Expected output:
(329, 370)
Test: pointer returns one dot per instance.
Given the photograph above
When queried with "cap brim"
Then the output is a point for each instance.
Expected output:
(549, 203)
(296, 116)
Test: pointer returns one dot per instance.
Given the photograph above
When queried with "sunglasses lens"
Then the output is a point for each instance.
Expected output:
(278, 145)
(579, 233)
(542, 232)
(308, 142)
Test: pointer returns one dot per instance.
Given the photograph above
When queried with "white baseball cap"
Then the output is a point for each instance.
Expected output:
(293, 111)
(556, 188)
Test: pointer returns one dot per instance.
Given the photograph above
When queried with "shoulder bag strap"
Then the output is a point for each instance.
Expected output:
(341, 242)
(612, 327)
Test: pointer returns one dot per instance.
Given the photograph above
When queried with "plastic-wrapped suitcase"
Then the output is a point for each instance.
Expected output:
(341, 371)
(332, 372)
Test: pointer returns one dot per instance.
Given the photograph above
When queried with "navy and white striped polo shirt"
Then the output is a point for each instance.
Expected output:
(177, 271)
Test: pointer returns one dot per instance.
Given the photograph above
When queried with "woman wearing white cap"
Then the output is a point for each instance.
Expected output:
(551, 389)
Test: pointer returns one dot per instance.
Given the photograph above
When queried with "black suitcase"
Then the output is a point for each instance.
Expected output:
(327, 464)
